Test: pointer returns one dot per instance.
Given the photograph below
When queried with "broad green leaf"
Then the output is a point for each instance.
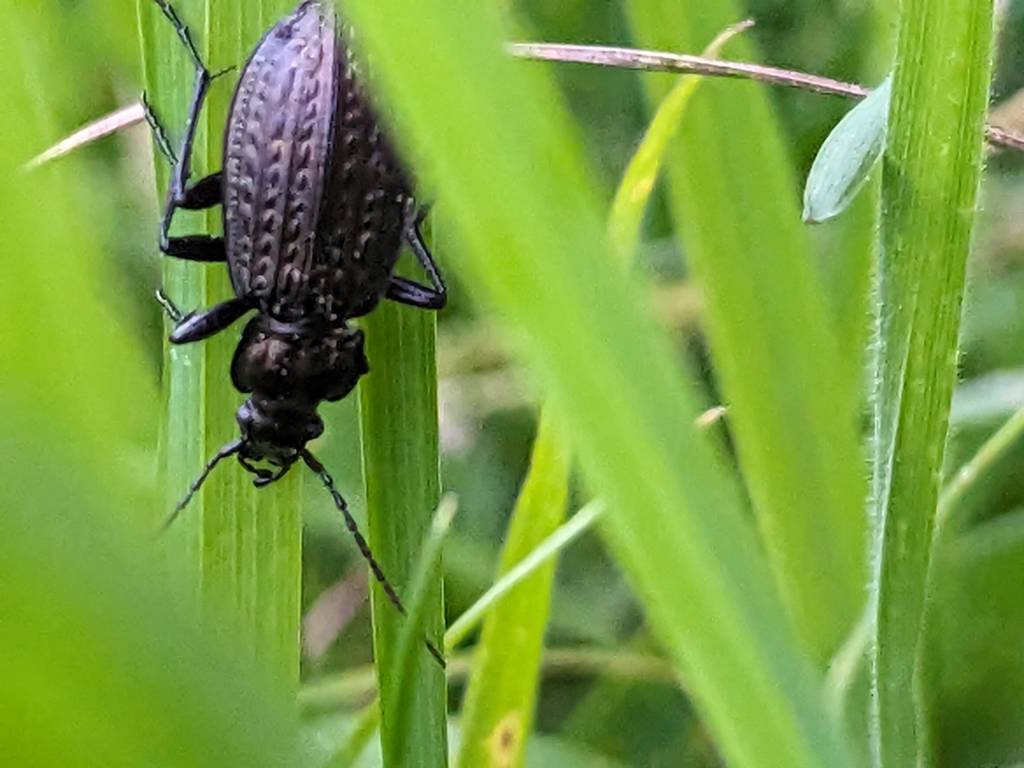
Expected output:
(536, 254)
(101, 662)
(502, 693)
(846, 158)
(102, 665)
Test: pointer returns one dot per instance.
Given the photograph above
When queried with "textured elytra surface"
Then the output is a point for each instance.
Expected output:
(315, 199)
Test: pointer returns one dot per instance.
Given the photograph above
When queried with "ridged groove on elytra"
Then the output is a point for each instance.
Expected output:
(276, 155)
(316, 201)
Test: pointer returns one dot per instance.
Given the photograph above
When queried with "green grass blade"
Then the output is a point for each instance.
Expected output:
(775, 354)
(398, 412)
(953, 514)
(244, 545)
(410, 638)
(576, 526)
(71, 357)
(634, 191)
(537, 254)
(498, 708)
(100, 661)
(930, 180)
(549, 548)
(350, 688)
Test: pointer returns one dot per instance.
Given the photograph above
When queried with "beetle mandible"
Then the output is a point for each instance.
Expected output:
(316, 207)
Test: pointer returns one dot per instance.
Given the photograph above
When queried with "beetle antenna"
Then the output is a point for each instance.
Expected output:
(339, 501)
(227, 451)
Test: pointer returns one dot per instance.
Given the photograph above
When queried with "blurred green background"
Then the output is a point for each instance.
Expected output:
(81, 357)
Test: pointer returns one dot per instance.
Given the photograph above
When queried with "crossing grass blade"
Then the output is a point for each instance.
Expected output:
(645, 166)
(772, 340)
(244, 546)
(503, 688)
(930, 180)
(410, 643)
(369, 718)
(536, 254)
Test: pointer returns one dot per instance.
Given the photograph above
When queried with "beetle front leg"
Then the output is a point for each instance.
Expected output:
(196, 326)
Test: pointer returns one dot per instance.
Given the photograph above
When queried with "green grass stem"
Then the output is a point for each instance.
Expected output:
(931, 174)
(244, 546)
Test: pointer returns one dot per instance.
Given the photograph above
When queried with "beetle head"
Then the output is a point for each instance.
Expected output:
(275, 431)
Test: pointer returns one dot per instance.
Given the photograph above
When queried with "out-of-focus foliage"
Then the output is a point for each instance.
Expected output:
(100, 660)
(96, 637)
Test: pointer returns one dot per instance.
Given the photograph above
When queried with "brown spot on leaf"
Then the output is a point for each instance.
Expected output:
(505, 742)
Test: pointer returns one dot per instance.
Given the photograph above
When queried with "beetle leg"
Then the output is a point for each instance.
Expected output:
(205, 193)
(160, 137)
(196, 326)
(194, 247)
(169, 307)
(412, 293)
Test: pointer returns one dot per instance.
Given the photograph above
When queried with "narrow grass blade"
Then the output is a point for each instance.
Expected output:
(846, 158)
(582, 521)
(544, 552)
(352, 687)
(398, 413)
(244, 545)
(498, 707)
(634, 191)
(930, 181)
(498, 710)
(992, 455)
(537, 254)
(410, 638)
(772, 340)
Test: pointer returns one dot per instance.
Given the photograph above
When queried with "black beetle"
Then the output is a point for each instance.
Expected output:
(316, 206)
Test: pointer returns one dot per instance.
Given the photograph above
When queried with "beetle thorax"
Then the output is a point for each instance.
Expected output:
(290, 368)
